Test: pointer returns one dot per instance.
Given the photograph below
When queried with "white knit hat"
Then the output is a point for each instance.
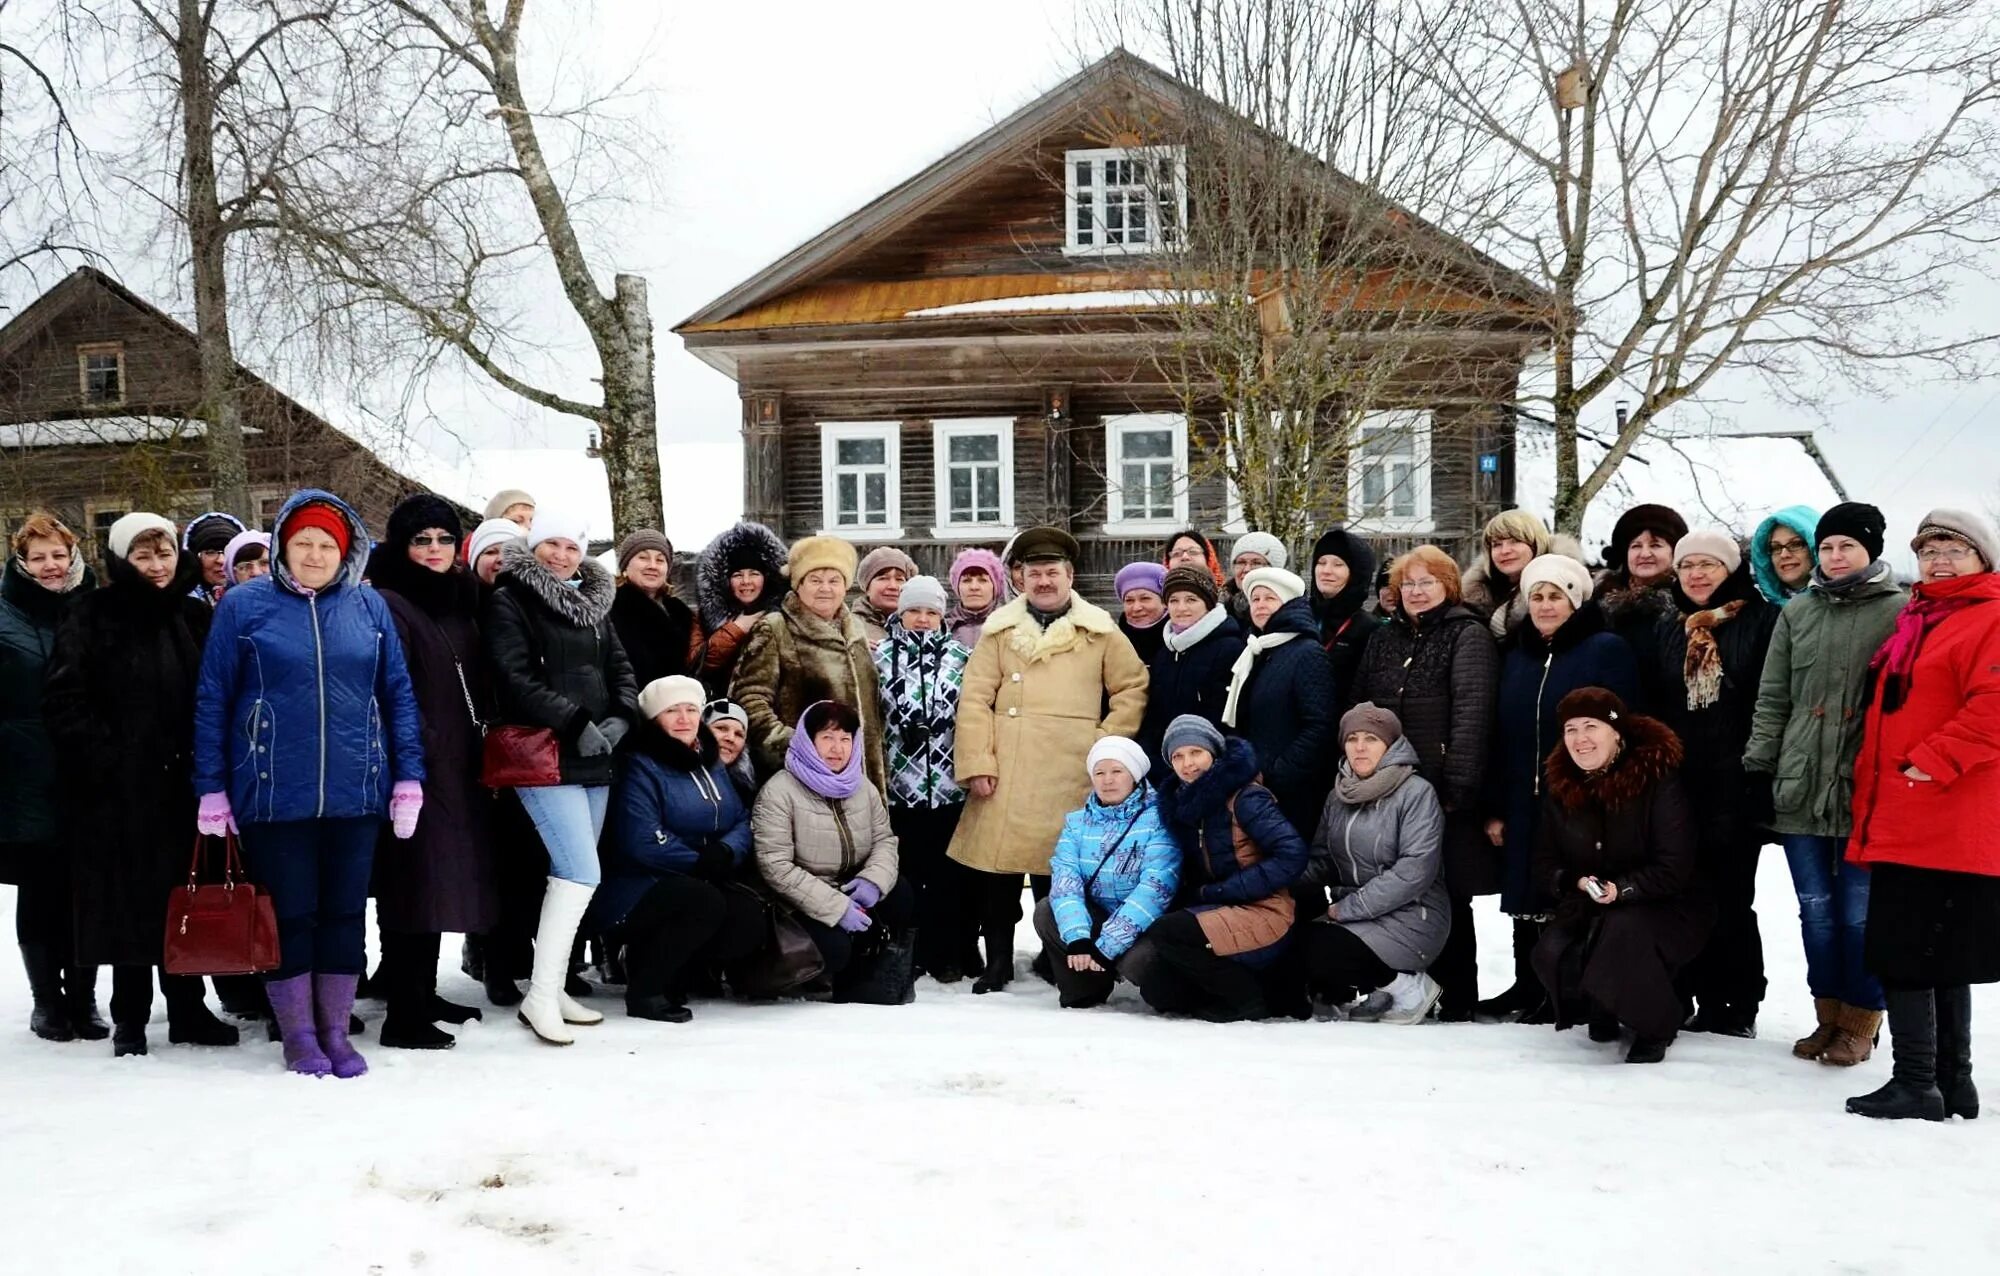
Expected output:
(1263, 543)
(1284, 584)
(494, 531)
(1716, 542)
(1560, 570)
(553, 524)
(921, 592)
(1125, 753)
(131, 527)
(664, 693)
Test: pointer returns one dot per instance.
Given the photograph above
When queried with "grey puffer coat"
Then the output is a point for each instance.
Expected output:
(1384, 861)
(808, 846)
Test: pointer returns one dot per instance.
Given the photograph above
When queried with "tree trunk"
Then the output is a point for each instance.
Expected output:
(631, 435)
(229, 476)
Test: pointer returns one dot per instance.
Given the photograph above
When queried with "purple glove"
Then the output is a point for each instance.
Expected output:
(863, 892)
(854, 921)
(212, 817)
(406, 799)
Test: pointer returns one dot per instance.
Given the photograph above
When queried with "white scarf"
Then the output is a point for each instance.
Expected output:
(1239, 673)
(1181, 640)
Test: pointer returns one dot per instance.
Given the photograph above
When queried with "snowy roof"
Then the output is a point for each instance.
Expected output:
(1102, 300)
(102, 429)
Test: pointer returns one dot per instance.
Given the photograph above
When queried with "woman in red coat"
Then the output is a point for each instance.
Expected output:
(1926, 806)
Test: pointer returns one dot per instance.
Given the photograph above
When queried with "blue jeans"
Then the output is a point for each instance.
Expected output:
(570, 818)
(1833, 914)
(317, 874)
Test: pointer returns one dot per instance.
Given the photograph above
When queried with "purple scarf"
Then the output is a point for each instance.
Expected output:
(809, 769)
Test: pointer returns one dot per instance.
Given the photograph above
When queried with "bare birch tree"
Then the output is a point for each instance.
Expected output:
(1306, 294)
(1792, 188)
(462, 206)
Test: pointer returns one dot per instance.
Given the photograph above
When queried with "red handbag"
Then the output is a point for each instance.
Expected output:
(226, 928)
(520, 758)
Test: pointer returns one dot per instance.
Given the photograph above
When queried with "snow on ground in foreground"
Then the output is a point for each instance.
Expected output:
(990, 1134)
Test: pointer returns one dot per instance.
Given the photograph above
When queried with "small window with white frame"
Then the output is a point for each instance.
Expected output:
(100, 372)
(973, 477)
(861, 478)
(1145, 473)
(1122, 201)
(1389, 472)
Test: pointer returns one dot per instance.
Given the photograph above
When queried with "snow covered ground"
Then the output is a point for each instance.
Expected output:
(991, 1134)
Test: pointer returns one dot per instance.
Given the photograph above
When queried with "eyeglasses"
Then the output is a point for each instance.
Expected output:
(444, 539)
(209, 553)
(1419, 586)
(1787, 547)
(1946, 553)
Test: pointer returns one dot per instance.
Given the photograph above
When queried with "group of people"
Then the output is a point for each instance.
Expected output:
(1247, 791)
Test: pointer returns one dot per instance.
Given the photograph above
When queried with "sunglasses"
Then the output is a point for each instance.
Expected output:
(443, 539)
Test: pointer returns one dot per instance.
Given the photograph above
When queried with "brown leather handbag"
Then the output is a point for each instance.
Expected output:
(225, 928)
(788, 959)
(520, 758)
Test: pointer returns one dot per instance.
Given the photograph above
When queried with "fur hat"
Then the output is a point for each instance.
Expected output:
(494, 531)
(415, 513)
(1960, 525)
(1125, 753)
(1139, 576)
(1852, 518)
(881, 559)
(814, 552)
(925, 592)
(552, 525)
(1368, 716)
(665, 693)
(1264, 543)
(1560, 570)
(1715, 542)
(131, 527)
(1191, 728)
(1662, 521)
(507, 499)
(643, 539)
(1592, 702)
(1284, 584)
(1191, 580)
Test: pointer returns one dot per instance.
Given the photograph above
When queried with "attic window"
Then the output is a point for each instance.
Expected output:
(100, 371)
(1122, 200)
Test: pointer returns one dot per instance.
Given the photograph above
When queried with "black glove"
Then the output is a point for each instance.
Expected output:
(1758, 807)
(713, 862)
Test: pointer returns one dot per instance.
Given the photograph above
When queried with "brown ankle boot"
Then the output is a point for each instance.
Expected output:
(1854, 1037)
(1814, 1046)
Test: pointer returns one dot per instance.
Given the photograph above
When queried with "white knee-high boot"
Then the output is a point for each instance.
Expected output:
(547, 1009)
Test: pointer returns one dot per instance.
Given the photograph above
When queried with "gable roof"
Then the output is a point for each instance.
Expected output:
(881, 218)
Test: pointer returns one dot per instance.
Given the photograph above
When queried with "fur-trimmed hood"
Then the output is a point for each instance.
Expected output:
(1065, 633)
(582, 607)
(1651, 752)
(711, 573)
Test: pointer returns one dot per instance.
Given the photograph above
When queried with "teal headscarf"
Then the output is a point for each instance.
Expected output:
(1804, 520)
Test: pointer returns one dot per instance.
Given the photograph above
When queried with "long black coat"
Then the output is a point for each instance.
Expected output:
(1630, 824)
(1193, 681)
(659, 636)
(444, 879)
(1286, 712)
(29, 617)
(119, 706)
(1344, 625)
(555, 658)
(1715, 737)
(1440, 676)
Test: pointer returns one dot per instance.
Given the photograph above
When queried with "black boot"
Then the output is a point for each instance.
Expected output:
(999, 970)
(1725, 1020)
(1649, 1049)
(472, 957)
(1912, 1092)
(189, 1020)
(242, 996)
(49, 1019)
(1954, 1065)
(1521, 1002)
(658, 1007)
(80, 991)
(131, 1009)
(409, 978)
(1603, 1027)
(128, 1039)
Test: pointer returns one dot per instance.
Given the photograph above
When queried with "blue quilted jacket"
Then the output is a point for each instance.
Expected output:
(304, 709)
(1137, 868)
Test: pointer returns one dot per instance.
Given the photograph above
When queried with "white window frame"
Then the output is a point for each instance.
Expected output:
(942, 433)
(1172, 158)
(1418, 424)
(1116, 522)
(831, 434)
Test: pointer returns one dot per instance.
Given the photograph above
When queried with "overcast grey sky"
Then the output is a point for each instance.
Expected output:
(781, 116)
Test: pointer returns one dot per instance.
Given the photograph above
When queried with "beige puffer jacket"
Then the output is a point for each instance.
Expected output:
(807, 845)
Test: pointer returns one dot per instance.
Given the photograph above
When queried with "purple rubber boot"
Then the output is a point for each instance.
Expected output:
(292, 1007)
(333, 997)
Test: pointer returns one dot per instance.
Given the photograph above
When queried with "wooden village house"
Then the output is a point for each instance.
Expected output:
(975, 352)
(98, 390)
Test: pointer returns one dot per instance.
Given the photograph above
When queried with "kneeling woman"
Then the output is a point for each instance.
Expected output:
(1615, 845)
(824, 845)
(1240, 858)
(1113, 874)
(1380, 847)
(678, 836)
